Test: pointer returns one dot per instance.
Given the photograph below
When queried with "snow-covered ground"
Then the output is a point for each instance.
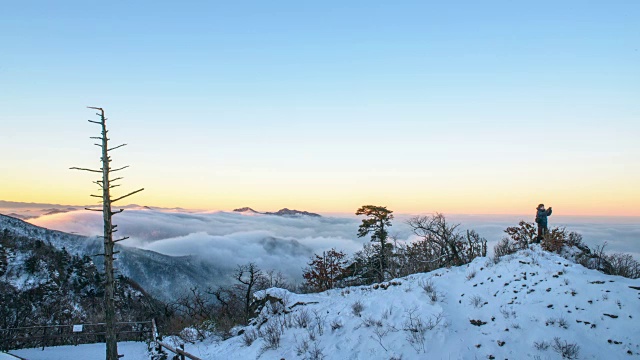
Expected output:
(130, 350)
(531, 305)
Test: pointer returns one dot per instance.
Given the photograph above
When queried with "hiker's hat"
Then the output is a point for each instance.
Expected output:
(540, 206)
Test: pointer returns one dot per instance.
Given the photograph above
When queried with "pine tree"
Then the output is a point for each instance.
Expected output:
(378, 217)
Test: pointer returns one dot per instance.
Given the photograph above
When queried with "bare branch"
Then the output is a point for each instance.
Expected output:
(122, 168)
(118, 178)
(96, 137)
(93, 209)
(83, 169)
(129, 194)
(95, 122)
(119, 146)
(98, 196)
(118, 240)
(117, 212)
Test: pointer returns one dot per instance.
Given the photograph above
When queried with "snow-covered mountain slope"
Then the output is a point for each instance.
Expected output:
(163, 276)
(530, 305)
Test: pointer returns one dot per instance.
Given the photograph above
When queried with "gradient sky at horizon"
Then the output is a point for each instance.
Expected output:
(460, 107)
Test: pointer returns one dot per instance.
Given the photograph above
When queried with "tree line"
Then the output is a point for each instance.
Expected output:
(440, 244)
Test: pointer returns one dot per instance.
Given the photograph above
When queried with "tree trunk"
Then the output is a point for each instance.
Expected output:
(110, 313)
(109, 229)
(382, 241)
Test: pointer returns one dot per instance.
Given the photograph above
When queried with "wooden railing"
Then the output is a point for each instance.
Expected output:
(178, 351)
(55, 335)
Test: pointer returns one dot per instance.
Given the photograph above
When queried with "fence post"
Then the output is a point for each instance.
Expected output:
(44, 338)
(182, 354)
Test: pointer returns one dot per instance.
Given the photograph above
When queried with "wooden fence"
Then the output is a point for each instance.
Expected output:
(179, 351)
(55, 335)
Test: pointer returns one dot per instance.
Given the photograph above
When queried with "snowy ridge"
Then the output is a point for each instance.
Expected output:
(530, 305)
(163, 276)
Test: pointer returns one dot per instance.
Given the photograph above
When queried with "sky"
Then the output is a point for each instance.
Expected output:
(460, 107)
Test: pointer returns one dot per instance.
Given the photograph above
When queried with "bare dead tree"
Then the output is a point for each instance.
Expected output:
(444, 243)
(106, 184)
(249, 276)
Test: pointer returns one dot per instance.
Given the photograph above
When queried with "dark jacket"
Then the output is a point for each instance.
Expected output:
(541, 217)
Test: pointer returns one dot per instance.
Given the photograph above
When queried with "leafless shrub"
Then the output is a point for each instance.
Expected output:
(386, 313)
(311, 331)
(357, 308)
(416, 330)
(302, 318)
(275, 307)
(476, 301)
(249, 337)
(503, 248)
(624, 265)
(380, 331)
(542, 345)
(302, 347)
(443, 244)
(562, 322)
(315, 353)
(471, 274)
(272, 334)
(320, 321)
(574, 240)
(371, 322)
(430, 290)
(427, 286)
(507, 313)
(335, 325)
(565, 349)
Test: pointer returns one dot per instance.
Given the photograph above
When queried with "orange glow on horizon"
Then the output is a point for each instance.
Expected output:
(348, 206)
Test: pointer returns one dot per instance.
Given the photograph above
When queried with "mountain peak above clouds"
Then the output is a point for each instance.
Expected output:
(246, 209)
(281, 212)
(288, 212)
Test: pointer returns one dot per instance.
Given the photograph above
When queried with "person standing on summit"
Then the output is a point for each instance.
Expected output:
(541, 220)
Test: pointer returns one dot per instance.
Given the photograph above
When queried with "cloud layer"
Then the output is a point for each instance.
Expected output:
(286, 243)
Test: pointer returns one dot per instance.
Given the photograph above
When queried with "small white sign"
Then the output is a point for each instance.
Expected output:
(77, 328)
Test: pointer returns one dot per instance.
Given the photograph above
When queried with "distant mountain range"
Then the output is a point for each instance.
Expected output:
(26, 211)
(281, 212)
(46, 285)
(165, 277)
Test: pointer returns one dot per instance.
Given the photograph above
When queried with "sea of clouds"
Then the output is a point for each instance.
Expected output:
(286, 243)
